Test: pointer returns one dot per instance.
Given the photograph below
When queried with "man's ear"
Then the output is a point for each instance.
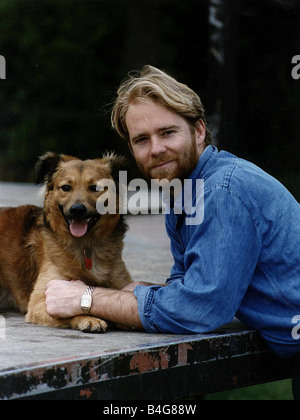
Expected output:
(200, 132)
(46, 167)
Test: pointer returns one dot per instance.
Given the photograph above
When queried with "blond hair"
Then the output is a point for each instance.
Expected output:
(157, 86)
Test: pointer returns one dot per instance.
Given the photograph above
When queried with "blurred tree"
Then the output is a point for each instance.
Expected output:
(61, 66)
(255, 98)
(269, 98)
(66, 58)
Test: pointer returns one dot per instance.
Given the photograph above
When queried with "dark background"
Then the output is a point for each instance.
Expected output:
(66, 58)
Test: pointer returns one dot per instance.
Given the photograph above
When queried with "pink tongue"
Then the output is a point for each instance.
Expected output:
(78, 229)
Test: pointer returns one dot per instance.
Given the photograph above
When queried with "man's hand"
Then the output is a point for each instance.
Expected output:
(63, 298)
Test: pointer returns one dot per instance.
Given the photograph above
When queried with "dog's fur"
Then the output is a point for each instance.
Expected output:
(38, 245)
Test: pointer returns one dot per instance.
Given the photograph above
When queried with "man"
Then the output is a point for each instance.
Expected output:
(241, 260)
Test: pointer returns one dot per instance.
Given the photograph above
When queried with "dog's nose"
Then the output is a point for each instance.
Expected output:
(78, 211)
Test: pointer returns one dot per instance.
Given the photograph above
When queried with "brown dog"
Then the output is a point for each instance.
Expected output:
(67, 239)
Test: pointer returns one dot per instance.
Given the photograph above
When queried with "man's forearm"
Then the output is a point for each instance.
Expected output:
(119, 307)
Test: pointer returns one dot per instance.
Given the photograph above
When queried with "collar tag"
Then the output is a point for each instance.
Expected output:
(88, 258)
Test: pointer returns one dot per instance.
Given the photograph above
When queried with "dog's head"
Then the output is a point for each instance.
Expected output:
(73, 188)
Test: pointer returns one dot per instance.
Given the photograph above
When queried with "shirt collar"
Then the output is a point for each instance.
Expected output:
(206, 155)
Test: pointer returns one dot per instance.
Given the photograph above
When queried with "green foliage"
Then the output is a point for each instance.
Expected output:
(66, 58)
(276, 391)
(60, 66)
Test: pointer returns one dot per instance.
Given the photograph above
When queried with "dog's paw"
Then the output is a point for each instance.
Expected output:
(89, 324)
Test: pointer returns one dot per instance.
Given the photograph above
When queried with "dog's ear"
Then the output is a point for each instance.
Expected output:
(117, 163)
(46, 166)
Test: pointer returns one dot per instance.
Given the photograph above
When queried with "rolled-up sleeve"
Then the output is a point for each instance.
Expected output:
(213, 266)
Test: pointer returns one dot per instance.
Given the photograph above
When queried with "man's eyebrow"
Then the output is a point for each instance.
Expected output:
(159, 130)
(169, 127)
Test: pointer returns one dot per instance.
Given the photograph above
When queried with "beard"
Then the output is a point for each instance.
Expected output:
(180, 167)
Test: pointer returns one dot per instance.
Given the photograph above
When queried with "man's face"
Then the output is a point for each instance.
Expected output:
(162, 142)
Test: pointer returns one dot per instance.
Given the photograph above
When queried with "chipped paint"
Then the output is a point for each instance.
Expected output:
(144, 362)
(183, 350)
(86, 393)
(241, 356)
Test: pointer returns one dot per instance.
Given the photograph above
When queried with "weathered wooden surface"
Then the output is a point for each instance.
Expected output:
(42, 362)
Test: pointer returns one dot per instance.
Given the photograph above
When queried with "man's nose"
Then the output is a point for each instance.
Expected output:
(157, 147)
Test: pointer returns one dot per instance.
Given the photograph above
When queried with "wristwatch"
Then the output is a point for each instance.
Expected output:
(86, 300)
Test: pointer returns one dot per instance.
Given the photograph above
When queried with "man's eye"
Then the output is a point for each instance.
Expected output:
(139, 140)
(168, 133)
(66, 188)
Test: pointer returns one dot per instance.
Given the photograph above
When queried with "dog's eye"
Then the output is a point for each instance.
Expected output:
(93, 188)
(66, 188)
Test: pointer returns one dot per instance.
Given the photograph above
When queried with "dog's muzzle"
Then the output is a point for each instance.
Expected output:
(79, 220)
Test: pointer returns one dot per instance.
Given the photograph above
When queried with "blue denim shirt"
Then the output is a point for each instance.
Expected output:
(243, 260)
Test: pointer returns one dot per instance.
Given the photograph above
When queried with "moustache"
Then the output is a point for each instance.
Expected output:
(158, 162)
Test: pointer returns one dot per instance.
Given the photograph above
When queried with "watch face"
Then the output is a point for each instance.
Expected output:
(86, 302)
